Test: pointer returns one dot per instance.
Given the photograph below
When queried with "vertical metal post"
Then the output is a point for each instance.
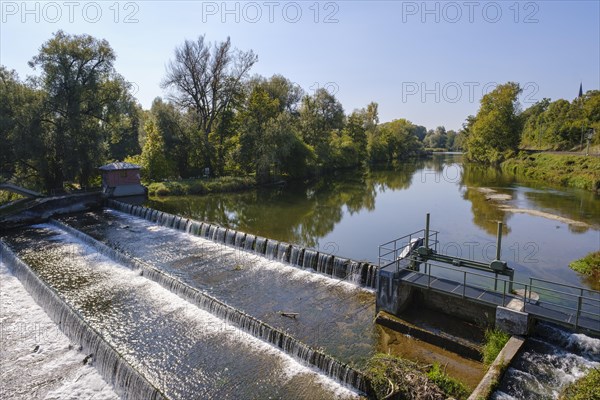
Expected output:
(464, 283)
(578, 312)
(504, 295)
(499, 241)
(428, 274)
(427, 231)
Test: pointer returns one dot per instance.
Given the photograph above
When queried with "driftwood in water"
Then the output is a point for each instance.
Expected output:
(288, 314)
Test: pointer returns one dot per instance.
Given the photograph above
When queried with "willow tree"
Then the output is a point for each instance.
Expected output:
(206, 79)
(82, 100)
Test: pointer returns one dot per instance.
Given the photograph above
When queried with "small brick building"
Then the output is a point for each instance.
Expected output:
(121, 179)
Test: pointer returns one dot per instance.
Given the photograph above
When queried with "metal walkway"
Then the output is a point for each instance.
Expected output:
(20, 190)
(575, 307)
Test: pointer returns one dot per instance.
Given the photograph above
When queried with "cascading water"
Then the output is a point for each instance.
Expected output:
(204, 230)
(369, 275)
(170, 219)
(230, 237)
(219, 235)
(310, 259)
(296, 256)
(271, 251)
(212, 232)
(240, 237)
(283, 252)
(195, 228)
(354, 272)
(249, 242)
(361, 274)
(324, 263)
(552, 358)
(260, 246)
(307, 354)
(340, 268)
(111, 365)
(263, 289)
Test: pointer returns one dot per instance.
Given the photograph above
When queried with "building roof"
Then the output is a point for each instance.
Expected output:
(119, 165)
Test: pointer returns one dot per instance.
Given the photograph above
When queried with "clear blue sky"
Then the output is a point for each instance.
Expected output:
(429, 62)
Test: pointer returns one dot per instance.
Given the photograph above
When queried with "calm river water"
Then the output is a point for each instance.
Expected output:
(351, 213)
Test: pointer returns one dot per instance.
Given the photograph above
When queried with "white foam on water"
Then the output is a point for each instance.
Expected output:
(587, 344)
(308, 276)
(499, 395)
(36, 359)
(248, 258)
(199, 323)
(556, 367)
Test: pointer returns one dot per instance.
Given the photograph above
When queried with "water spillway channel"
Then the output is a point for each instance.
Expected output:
(334, 315)
(551, 359)
(181, 350)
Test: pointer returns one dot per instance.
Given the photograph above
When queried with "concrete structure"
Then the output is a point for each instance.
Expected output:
(9, 187)
(497, 369)
(512, 319)
(120, 179)
(35, 211)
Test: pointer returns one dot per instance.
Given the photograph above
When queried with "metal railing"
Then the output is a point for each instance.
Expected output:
(572, 302)
(390, 251)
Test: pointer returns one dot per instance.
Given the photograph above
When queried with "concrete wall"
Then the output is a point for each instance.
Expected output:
(479, 314)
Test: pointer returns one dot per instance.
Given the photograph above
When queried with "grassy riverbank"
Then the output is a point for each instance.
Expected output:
(200, 186)
(581, 172)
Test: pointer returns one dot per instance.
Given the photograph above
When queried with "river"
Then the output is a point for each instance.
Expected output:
(350, 213)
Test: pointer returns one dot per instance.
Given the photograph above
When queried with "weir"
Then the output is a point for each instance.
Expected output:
(361, 273)
(290, 345)
(152, 326)
(126, 380)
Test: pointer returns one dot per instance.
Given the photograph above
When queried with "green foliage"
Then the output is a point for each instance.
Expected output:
(495, 131)
(8, 197)
(320, 116)
(393, 141)
(79, 114)
(588, 265)
(21, 131)
(450, 386)
(559, 125)
(63, 125)
(200, 186)
(494, 343)
(155, 165)
(568, 170)
(585, 388)
(269, 144)
(82, 99)
(207, 80)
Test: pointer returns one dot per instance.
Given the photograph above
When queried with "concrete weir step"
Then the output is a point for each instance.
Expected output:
(448, 342)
